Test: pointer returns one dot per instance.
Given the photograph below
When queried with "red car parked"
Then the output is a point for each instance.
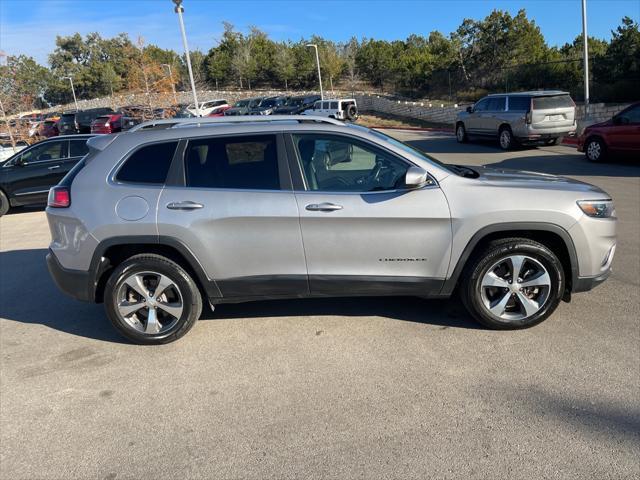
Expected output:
(620, 134)
(219, 111)
(111, 123)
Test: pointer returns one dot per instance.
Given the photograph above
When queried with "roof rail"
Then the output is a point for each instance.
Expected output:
(206, 121)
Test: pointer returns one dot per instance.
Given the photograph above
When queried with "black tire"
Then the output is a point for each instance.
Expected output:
(505, 138)
(352, 112)
(191, 298)
(595, 150)
(496, 251)
(552, 141)
(461, 133)
(4, 203)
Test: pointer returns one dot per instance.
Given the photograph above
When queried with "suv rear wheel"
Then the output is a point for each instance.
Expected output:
(152, 300)
(505, 138)
(513, 283)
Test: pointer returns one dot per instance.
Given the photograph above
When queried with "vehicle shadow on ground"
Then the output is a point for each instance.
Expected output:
(556, 160)
(443, 313)
(30, 208)
(28, 295)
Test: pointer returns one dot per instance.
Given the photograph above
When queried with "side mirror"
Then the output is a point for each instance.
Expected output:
(21, 162)
(469, 109)
(416, 177)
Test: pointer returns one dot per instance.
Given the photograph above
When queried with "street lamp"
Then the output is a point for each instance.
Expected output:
(73, 90)
(318, 63)
(585, 41)
(173, 85)
(179, 10)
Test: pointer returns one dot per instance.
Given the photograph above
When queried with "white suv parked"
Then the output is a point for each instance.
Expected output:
(340, 109)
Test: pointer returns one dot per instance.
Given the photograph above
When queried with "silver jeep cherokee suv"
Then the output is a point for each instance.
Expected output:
(159, 220)
(524, 117)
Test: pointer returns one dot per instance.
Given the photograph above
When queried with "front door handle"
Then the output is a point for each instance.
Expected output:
(186, 205)
(323, 207)
(54, 167)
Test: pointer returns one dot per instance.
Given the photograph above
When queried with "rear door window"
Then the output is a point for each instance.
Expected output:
(78, 148)
(552, 101)
(247, 162)
(150, 164)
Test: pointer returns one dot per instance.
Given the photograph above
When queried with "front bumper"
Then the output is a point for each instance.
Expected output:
(74, 283)
(584, 284)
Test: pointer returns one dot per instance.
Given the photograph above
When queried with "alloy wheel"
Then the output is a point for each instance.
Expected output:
(460, 133)
(594, 150)
(505, 139)
(515, 288)
(149, 302)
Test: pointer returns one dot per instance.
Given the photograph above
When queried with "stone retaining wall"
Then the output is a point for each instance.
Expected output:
(425, 110)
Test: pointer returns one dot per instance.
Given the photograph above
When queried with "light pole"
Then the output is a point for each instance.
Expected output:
(585, 41)
(318, 63)
(173, 85)
(179, 10)
(73, 90)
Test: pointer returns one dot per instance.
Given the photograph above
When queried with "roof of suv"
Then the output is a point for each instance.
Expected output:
(532, 93)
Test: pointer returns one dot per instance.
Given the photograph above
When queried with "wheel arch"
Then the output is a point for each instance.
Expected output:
(595, 136)
(113, 251)
(554, 237)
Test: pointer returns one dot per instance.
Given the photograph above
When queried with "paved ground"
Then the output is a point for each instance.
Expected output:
(375, 388)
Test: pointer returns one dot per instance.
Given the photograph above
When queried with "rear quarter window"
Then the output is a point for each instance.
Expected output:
(552, 101)
(149, 164)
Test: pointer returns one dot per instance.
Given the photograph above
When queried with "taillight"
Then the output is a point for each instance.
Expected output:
(59, 197)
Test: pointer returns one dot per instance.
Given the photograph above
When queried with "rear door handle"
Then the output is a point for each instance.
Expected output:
(186, 205)
(323, 207)
(54, 167)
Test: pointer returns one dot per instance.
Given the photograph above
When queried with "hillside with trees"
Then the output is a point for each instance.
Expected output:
(500, 52)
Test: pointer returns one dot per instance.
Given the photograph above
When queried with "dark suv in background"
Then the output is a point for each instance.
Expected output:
(80, 121)
(244, 106)
(296, 105)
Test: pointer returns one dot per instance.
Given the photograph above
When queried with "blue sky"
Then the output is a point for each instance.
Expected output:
(30, 26)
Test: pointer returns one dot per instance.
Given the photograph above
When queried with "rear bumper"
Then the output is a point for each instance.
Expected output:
(74, 283)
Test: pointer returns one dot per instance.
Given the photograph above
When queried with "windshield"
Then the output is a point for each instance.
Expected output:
(405, 147)
(294, 102)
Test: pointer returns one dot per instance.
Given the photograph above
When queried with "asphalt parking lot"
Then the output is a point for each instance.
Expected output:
(329, 388)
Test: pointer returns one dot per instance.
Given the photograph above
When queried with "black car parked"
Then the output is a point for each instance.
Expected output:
(26, 177)
(267, 105)
(80, 121)
(244, 106)
(296, 105)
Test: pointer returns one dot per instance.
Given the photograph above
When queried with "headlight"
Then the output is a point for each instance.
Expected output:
(597, 208)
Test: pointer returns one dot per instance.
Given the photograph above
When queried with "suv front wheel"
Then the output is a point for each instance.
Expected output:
(152, 300)
(461, 133)
(513, 283)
